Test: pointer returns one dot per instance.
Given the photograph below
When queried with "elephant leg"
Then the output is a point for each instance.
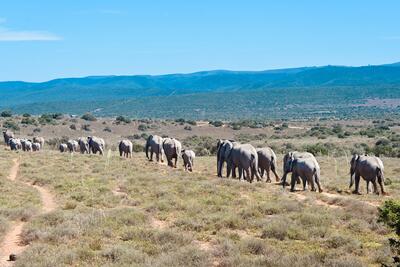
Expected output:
(268, 176)
(273, 169)
(318, 184)
(381, 185)
(367, 187)
(250, 176)
(375, 185)
(220, 165)
(234, 172)
(151, 155)
(311, 181)
(176, 161)
(228, 170)
(262, 172)
(240, 173)
(304, 179)
(293, 181)
(357, 182)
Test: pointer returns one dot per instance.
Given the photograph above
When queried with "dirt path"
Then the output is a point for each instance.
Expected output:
(301, 196)
(11, 243)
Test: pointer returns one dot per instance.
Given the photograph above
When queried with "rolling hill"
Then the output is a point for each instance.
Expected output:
(297, 92)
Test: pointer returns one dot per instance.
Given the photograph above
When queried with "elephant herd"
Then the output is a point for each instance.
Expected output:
(251, 162)
(89, 145)
(242, 160)
(24, 144)
(172, 149)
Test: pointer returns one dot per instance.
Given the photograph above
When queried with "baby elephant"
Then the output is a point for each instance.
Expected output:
(307, 169)
(63, 148)
(188, 158)
(36, 146)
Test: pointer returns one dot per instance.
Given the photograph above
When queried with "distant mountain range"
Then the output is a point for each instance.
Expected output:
(209, 93)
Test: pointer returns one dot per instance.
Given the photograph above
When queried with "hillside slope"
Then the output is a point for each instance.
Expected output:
(158, 95)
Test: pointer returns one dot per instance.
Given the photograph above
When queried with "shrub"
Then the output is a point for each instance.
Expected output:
(88, 117)
(28, 120)
(137, 147)
(37, 130)
(6, 113)
(201, 145)
(216, 123)
(72, 127)
(86, 127)
(389, 214)
(120, 119)
(26, 115)
(9, 124)
(187, 128)
(142, 127)
(193, 123)
(107, 129)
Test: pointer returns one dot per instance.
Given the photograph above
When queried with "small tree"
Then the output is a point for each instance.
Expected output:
(6, 113)
(120, 119)
(88, 117)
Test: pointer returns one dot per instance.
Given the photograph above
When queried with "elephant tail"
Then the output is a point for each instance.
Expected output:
(148, 145)
(379, 174)
(351, 180)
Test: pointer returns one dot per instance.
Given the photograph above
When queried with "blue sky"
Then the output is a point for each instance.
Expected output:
(47, 39)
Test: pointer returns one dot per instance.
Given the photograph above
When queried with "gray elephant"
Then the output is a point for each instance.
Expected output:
(370, 168)
(188, 157)
(15, 144)
(245, 158)
(39, 140)
(305, 168)
(155, 143)
(266, 162)
(125, 148)
(83, 145)
(7, 136)
(72, 146)
(63, 148)
(295, 155)
(96, 144)
(172, 149)
(26, 145)
(224, 148)
(36, 146)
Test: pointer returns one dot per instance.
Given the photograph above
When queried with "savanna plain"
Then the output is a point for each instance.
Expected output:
(114, 211)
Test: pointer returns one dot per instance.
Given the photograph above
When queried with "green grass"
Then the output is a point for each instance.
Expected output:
(167, 217)
(17, 201)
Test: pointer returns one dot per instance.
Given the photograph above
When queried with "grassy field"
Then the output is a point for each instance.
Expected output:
(130, 212)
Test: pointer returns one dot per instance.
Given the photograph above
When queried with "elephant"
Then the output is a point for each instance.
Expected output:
(63, 148)
(155, 143)
(83, 145)
(125, 148)
(15, 144)
(295, 155)
(172, 149)
(224, 148)
(36, 146)
(96, 144)
(26, 145)
(245, 158)
(370, 168)
(266, 162)
(305, 168)
(72, 145)
(7, 136)
(39, 140)
(188, 159)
